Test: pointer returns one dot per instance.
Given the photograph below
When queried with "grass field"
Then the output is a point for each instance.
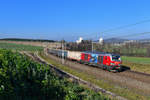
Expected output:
(139, 60)
(20, 47)
(141, 64)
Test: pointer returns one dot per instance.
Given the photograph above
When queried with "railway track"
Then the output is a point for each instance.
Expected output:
(126, 79)
(143, 77)
(144, 74)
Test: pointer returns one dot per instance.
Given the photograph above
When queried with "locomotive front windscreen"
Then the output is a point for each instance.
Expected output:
(116, 58)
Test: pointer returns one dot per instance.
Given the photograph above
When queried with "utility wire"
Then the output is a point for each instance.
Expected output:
(96, 33)
(131, 35)
(126, 26)
(117, 28)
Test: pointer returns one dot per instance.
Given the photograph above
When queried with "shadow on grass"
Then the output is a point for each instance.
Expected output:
(125, 68)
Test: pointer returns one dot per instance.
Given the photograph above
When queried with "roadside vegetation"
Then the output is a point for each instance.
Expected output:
(20, 47)
(124, 92)
(23, 79)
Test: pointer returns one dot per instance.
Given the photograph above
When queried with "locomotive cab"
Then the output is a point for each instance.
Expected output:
(115, 62)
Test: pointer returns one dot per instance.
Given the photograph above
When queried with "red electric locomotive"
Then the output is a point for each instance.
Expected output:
(110, 62)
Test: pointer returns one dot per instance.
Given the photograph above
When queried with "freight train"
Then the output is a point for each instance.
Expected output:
(106, 61)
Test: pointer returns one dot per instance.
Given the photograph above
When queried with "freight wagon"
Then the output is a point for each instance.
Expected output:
(74, 55)
(58, 52)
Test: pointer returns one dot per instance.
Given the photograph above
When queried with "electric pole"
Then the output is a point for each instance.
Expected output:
(62, 52)
(92, 46)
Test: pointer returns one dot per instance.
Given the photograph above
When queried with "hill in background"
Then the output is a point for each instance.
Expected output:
(32, 40)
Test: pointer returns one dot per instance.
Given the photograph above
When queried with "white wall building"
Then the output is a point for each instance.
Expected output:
(101, 40)
(80, 40)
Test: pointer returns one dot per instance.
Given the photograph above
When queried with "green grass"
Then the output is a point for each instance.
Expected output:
(139, 60)
(131, 95)
(140, 64)
(20, 47)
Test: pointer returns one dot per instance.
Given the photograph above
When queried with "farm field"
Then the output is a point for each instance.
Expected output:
(141, 64)
(23, 79)
(20, 47)
(138, 60)
(41, 44)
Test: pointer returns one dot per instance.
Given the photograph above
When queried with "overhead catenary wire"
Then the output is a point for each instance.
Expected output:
(114, 29)
(93, 35)
(126, 26)
(130, 35)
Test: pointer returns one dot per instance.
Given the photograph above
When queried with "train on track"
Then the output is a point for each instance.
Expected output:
(106, 61)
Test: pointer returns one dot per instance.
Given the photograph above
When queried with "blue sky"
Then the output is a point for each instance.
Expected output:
(69, 19)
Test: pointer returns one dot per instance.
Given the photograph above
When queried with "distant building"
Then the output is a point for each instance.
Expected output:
(130, 41)
(101, 40)
(80, 40)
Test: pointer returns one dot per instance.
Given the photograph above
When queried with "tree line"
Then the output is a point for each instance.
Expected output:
(126, 49)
